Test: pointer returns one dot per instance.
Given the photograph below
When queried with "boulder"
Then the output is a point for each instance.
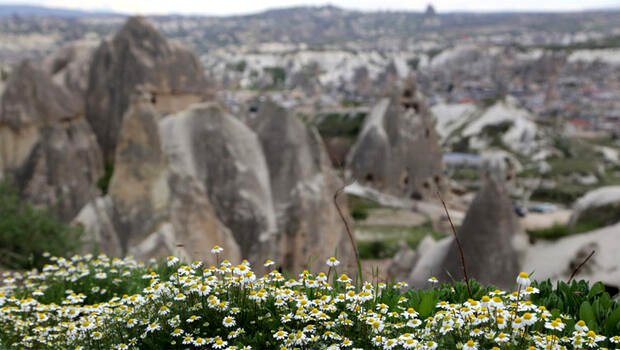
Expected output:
(139, 58)
(398, 150)
(303, 184)
(487, 237)
(226, 156)
(46, 146)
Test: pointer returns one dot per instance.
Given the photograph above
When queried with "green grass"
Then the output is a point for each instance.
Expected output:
(565, 193)
(570, 166)
(562, 230)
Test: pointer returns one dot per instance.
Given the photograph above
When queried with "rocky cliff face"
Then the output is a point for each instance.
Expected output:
(139, 58)
(398, 150)
(303, 185)
(46, 145)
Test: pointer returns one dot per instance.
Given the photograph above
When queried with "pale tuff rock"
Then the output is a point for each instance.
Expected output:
(505, 124)
(397, 150)
(139, 58)
(401, 263)
(452, 117)
(505, 119)
(197, 227)
(69, 65)
(154, 208)
(303, 185)
(226, 156)
(559, 258)
(501, 165)
(487, 238)
(431, 254)
(97, 220)
(46, 145)
(138, 187)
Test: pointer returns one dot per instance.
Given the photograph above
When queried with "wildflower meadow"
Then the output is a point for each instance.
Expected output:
(97, 302)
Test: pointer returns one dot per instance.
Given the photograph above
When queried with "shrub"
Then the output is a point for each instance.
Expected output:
(104, 181)
(359, 213)
(26, 233)
(360, 207)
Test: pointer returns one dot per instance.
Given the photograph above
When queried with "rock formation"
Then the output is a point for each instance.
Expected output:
(558, 259)
(69, 66)
(46, 145)
(226, 156)
(397, 150)
(155, 207)
(139, 58)
(303, 185)
(487, 235)
(186, 174)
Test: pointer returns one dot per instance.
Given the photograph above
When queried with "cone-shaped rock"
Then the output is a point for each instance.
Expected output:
(487, 236)
(303, 185)
(397, 150)
(139, 58)
(46, 145)
(226, 156)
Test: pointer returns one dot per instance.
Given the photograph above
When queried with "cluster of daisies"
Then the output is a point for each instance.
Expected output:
(76, 304)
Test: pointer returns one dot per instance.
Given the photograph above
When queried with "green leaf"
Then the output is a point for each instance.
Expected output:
(612, 326)
(586, 313)
(427, 305)
(597, 288)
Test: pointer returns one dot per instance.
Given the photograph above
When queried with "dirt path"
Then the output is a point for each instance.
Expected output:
(537, 221)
